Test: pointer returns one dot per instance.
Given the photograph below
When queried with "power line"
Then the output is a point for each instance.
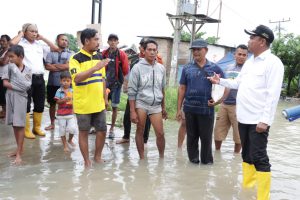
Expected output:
(279, 25)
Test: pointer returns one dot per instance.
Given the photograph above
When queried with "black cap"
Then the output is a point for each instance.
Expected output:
(113, 36)
(199, 43)
(262, 31)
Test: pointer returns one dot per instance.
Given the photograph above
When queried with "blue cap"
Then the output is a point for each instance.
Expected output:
(199, 43)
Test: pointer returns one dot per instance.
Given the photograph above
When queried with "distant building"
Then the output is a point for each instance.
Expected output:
(215, 52)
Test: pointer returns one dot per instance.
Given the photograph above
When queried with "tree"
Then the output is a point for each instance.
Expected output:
(73, 46)
(287, 48)
(186, 37)
(212, 40)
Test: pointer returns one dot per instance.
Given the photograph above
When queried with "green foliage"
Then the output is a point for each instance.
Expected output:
(212, 40)
(122, 104)
(171, 102)
(123, 101)
(73, 46)
(287, 48)
(186, 37)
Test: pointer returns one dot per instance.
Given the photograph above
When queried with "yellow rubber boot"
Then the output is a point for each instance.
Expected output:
(28, 133)
(263, 185)
(249, 175)
(37, 121)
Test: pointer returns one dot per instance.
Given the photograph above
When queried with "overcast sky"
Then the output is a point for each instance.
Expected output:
(130, 18)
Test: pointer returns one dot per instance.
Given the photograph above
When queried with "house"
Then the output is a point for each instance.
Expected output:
(215, 52)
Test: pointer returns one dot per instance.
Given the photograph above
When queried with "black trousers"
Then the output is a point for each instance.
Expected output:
(2, 93)
(199, 127)
(254, 147)
(37, 93)
(127, 124)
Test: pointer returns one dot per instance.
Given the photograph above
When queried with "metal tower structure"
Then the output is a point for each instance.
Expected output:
(94, 2)
(178, 21)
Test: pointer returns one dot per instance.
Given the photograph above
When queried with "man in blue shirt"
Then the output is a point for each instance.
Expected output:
(198, 104)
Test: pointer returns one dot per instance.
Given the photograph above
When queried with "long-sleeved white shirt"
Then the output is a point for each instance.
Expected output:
(259, 85)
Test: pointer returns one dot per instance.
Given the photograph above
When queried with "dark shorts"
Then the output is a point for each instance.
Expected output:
(2, 93)
(51, 90)
(96, 120)
(115, 96)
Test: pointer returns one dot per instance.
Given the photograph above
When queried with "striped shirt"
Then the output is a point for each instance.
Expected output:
(66, 108)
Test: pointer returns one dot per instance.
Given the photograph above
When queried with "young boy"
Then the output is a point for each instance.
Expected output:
(66, 120)
(17, 80)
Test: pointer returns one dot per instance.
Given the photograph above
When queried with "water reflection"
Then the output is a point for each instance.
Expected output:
(48, 173)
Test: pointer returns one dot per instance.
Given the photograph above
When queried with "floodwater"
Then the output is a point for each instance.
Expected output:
(49, 173)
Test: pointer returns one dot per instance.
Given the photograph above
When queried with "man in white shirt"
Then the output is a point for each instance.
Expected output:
(259, 85)
(35, 53)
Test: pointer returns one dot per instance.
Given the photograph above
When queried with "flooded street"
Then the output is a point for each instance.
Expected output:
(49, 173)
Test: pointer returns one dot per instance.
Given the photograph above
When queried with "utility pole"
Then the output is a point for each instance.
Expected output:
(94, 24)
(279, 25)
(193, 34)
(176, 40)
(184, 19)
(194, 22)
(99, 11)
(220, 11)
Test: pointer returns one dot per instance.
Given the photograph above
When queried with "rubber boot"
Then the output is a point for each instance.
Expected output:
(249, 175)
(37, 121)
(263, 185)
(28, 133)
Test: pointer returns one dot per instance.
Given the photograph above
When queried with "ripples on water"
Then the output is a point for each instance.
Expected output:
(48, 173)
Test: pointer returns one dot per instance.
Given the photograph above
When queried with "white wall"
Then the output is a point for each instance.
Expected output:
(215, 53)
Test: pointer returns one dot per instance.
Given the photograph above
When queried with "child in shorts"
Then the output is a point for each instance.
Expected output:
(65, 115)
(17, 80)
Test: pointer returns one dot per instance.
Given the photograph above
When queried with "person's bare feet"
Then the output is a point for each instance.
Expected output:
(12, 154)
(18, 160)
(71, 143)
(66, 149)
(50, 127)
(123, 141)
(99, 160)
(88, 164)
